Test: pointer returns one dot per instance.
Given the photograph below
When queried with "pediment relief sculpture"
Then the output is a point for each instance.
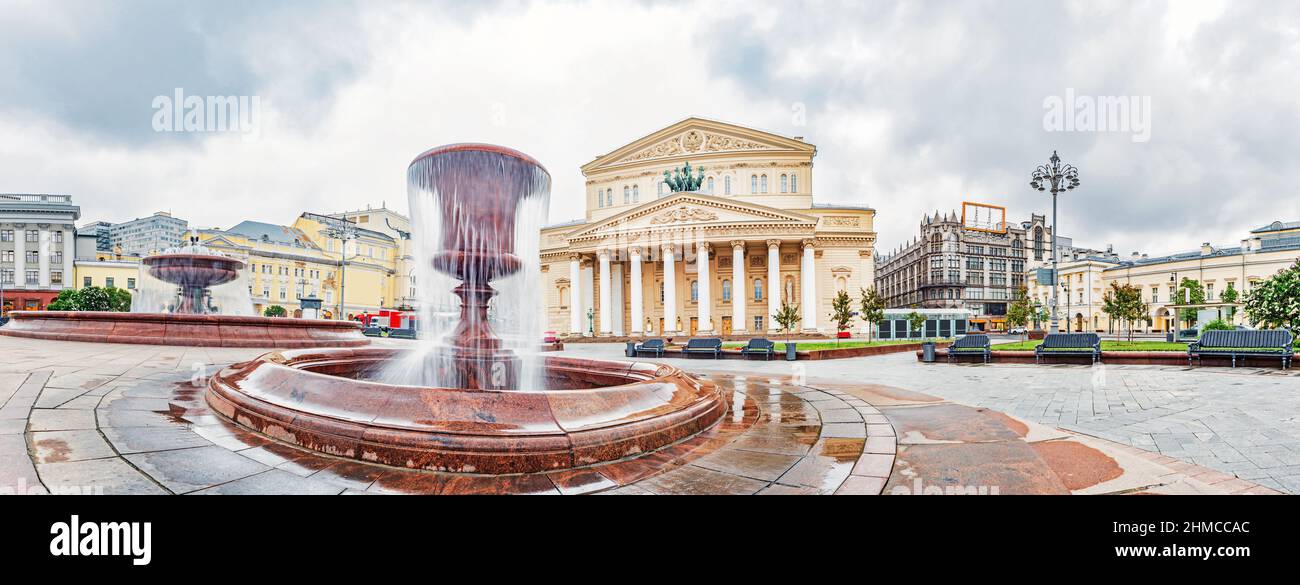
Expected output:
(683, 213)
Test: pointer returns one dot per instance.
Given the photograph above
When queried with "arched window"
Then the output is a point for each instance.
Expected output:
(726, 291)
(710, 186)
(758, 289)
(726, 185)
(1038, 243)
(636, 193)
(600, 198)
(763, 183)
(695, 290)
(627, 194)
(794, 183)
(609, 197)
(753, 184)
(783, 184)
(564, 297)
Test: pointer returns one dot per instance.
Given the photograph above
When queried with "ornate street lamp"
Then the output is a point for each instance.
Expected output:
(1057, 178)
(344, 231)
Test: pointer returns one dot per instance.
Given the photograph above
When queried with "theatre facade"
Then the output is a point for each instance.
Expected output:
(718, 258)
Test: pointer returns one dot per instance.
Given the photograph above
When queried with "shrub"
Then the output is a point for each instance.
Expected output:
(275, 311)
(1218, 325)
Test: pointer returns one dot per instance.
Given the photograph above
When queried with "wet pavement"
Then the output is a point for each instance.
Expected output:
(102, 418)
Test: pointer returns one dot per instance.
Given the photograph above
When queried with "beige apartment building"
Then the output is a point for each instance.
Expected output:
(1084, 281)
(720, 260)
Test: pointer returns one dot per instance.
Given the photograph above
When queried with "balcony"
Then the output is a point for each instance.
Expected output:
(933, 282)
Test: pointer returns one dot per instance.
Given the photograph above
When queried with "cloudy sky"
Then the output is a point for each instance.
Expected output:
(914, 106)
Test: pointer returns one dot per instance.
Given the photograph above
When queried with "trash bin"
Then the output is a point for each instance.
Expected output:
(631, 349)
(927, 351)
(1169, 337)
(790, 349)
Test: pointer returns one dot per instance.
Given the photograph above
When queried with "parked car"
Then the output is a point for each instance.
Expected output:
(1016, 331)
(550, 337)
(1192, 333)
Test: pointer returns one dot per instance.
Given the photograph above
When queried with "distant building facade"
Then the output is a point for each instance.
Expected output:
(100, 232)
(398, 227)
(951, 266)
(147, 235)
(37, 248)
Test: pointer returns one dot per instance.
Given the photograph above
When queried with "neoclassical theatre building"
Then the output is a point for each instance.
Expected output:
(656, 257)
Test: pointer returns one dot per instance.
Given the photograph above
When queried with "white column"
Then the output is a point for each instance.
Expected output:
(69, 254)
(44, 257)
(616, 324)
(638, 303)
(575, 294)
(705, 304)
(606, 296)
(738, 298)
(808, 278)
(20, 258)
(670, 290)
(588, 295)
(773, 284)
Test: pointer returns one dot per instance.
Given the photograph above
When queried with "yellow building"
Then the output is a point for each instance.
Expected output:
(288, 263)
(1084, 281)
(107, 270)
(718, 260)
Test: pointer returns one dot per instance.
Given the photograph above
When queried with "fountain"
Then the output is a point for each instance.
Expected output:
(475, 397)
(189, 296)
(194, 271)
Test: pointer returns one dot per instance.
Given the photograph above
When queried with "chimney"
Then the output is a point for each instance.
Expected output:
(1206, 249)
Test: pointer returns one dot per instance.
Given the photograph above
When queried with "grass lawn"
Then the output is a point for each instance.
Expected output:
(818, 345)
(1106, 345)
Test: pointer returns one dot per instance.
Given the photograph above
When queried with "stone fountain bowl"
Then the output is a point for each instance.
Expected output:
(594, 412)
(193, 270)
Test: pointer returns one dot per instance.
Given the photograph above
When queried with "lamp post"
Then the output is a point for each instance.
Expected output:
(343, 231)
(1057, 178)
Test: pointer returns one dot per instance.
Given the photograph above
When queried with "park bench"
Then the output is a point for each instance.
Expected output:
(710, 346)
(1069, 344)
(973, 344)
(759, 346)
(654, 347)
(1243, 343)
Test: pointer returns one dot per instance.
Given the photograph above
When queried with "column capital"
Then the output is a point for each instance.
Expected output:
(574, 256)
(703, 246)
(774, 243)
(807, 243)
(635, 251)
(667, 249)
(604, 253)
(738, 244)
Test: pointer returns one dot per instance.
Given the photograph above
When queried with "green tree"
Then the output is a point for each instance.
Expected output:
(1190, 292)
(1275, 302)
(1230, 295)
(787, 318)
(1123, 304)
(841, 312)
(916, 321)
(91, 298)
(275, 311)
(1020, 311)
(65, 301)
(872, 309)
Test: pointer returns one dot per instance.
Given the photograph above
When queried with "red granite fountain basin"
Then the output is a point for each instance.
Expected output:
(596, 411)
(183, 329)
